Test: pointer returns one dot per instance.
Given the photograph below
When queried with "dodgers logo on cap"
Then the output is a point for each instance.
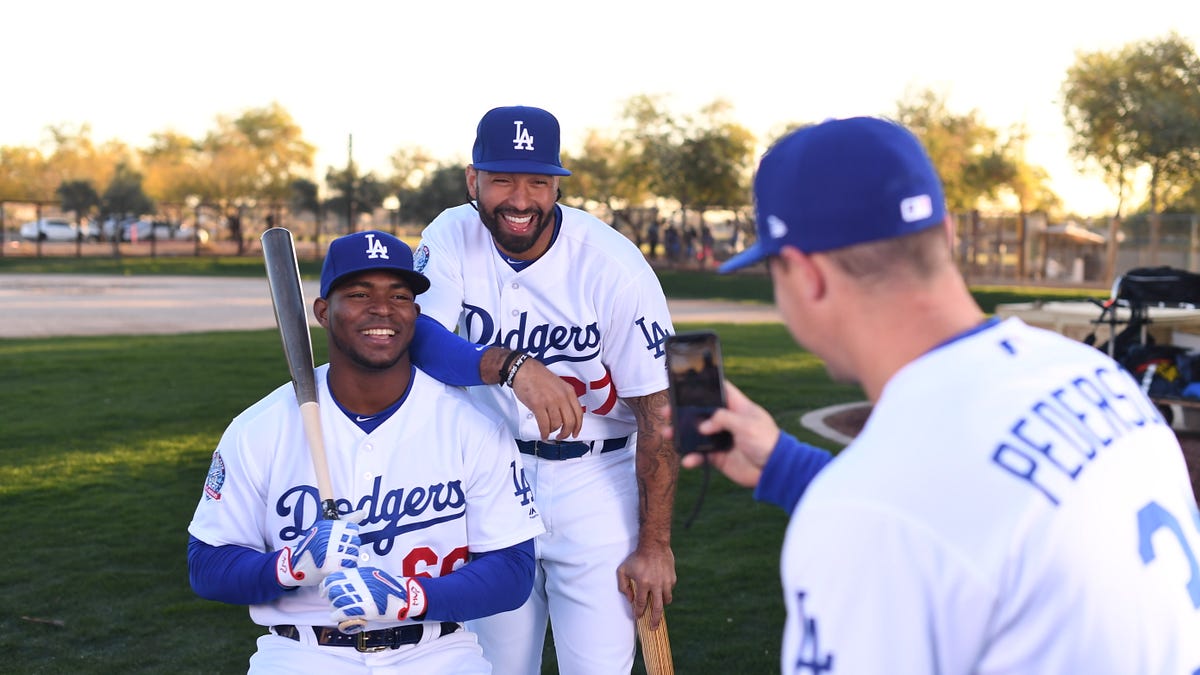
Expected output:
(371, 250)
(518, 139)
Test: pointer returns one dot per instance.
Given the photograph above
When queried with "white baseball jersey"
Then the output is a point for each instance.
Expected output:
(591, 309)
(436, 480)
(1014, 505)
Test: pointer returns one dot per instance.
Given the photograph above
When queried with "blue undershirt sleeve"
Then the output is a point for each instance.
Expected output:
(497, 581)
(790, 468)
(446, 356)
(493, 582)
(233, 574)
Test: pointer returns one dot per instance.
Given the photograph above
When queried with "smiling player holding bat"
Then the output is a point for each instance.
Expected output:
(421, 479)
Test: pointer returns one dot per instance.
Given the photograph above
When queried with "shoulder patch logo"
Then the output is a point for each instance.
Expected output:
(655, 336)
(421, 258)
(810, 659)
(216, 477)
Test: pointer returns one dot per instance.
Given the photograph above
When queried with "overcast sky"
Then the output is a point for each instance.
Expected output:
(421, 72)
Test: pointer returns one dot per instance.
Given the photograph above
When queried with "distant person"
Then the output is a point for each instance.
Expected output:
(707, 243)
(1014, 503)
(672, 244)
(652, 239)
(689, 245)
(234, 222)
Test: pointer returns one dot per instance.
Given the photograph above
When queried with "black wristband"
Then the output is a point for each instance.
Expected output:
(512, 371)
(508, 361)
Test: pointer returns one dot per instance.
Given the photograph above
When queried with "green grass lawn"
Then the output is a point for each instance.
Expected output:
(107, 442)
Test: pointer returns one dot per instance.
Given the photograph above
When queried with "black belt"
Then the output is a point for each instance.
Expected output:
(571, 450)
(366, 641)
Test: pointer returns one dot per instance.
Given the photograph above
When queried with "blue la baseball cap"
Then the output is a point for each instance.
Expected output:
(518, 139)
(371, 250)
(839, 183)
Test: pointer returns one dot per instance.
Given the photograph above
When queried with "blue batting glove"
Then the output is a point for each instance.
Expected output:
(328, 546)
(372, 594)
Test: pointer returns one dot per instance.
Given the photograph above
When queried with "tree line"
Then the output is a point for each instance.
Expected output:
(1130, 110)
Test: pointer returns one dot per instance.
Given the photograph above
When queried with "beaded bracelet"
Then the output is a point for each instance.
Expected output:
(512, 370)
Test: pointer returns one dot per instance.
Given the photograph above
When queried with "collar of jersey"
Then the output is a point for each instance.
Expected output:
(369, 423)
(986, 324)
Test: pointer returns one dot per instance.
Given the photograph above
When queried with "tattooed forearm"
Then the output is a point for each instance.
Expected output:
(657, 467)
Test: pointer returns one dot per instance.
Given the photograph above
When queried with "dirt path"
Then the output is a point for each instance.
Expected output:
(45, 305)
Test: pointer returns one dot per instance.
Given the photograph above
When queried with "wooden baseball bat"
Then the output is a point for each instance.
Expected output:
(291, 315)
(656, 644)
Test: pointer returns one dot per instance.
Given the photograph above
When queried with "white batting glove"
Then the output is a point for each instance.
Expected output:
(329, 546)
(372, 594)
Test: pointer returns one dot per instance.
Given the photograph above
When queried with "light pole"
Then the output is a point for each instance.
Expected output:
(392, 204)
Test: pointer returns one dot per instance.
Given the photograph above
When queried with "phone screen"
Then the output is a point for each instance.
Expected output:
(696, 378)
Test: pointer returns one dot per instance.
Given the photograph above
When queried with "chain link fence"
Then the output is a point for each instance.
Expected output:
(990, 248)
(1024, 249)
(44, 229)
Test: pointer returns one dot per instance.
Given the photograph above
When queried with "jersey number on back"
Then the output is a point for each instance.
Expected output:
(1152, 518)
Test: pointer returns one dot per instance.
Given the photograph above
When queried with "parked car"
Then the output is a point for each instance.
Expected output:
(143, 228)
(56, 229)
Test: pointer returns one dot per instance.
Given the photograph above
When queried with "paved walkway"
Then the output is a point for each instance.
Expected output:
(45, 305)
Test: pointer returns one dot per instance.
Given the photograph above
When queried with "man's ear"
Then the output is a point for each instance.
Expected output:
(321, 311)
(802, 271)
(472, 175)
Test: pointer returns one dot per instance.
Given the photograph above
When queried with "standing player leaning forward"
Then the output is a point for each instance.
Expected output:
(515, 268)
(424, 480)
(1014, 504)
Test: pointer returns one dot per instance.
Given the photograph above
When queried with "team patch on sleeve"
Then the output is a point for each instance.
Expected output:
(216, 477)
(655, 336)
(421, 258)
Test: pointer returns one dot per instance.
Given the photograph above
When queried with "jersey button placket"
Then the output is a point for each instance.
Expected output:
(365, 468)
(509, 300)
(366, 459)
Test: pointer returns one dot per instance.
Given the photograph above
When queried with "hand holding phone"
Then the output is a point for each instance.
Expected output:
(696, 379)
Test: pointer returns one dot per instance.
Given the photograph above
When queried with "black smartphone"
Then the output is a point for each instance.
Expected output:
(696, 379)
